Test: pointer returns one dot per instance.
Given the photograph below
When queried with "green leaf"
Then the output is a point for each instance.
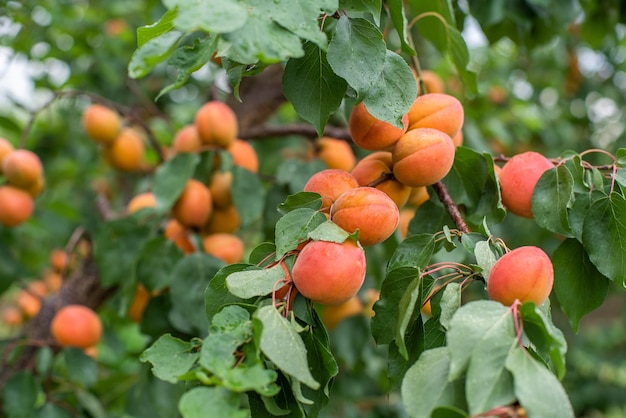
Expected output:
(170, 357)
(20, 395)
(407, 311)
(258, 282)
(620, 155)
(300, 17)
(323, 368)
(294, 228)
(248, 195)
(50, 410)
(201, 402)
(415, 251)
(295, 173)
(90, 403)
(485, 257)
(398, 18)
(170, 178)
(312, 87)
(450, 303)
(153, 52)
(282, 344)
(373, 7)
(448, 412)
(604, 236)
(230, 328)
(149, 32)
(216, 295)
(262, 254)
(537, 390)
(620, 176)
(299, 200)
(80, 367)
(156, 261)
(552, 197)
(330, 232)
(214, 16)
(578, 285)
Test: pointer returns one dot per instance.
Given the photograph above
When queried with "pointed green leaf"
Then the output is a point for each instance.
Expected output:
(20, 395)
(170, 357)
(248, 195)
(415, 251)
(214, 16)
(300, 17)
(216, 294)
(148, 32)
(299, 200)
(330, 232)
(258, 282)
(201, 402)
(156, 262)
(408, 307)
(552, 197)
(153, 52)
(294, 228)
(372, 7)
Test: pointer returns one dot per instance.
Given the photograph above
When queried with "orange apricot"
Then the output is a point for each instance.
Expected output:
(335, 153)
(16, 206)
(371, 297)
(525, 274)
(141, 201)
(432, 81)
(427, 308)
(378, 164)
(458, 139)
(101, 123)
(37, 187)
(217, 124)
(330, 183)
(29, 300)
(53, 281)
(76, 326)
(187, 139)
(418, 196)
(178, 234)
(244, 155)
(332, 315)
(369, 210)
(11, 316)
(22, 168)
(406, 215)
(227, 247)
(422, 156)
(371, 133)
(126, 152)
(138, 303)
(193, 206)
(5, 149)
(438, 111)
(220, 187)
(329, 273)
(222, 220)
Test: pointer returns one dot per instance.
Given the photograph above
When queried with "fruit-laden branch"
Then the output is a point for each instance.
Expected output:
(308, 131)
(451, 207)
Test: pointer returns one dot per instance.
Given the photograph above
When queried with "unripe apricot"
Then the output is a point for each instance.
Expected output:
(525, 274)
(76, 326)
(141, 201)
(101, 123)
(22, 168)
(217, 124)
(335, 153)
(422, 156)
(126, 151)
(371, 133)
(5, 148)
(432, 81)
(369, 210)
(437, 111)
(16, 206)
(518, 179)
(178, 234)
(378, 164)
(222, 220)
(187, 139)
(194, 205)
(330, 183)
(332, 315)
(329, 273)
(227, 247)
(138, 303)
(244, 155)
(220, 187)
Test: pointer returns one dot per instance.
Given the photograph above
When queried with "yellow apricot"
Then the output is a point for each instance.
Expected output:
(187, 139)
(437, 111)
(22, 168)
(244, 155)
(101, 123)
(227, 247)
(220, 187)
(5, 148)
(330, 183)
(371, 133)
(141, 201)
(126, 152)
(222, 220)
(194, 205)
(217, 124)
(335, 153)
(16, 206)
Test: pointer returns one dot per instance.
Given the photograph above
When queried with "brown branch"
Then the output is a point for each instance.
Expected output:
(451, 207)
(265, 131)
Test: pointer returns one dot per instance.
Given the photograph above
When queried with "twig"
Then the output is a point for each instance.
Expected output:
(451, 207)
(265, 131)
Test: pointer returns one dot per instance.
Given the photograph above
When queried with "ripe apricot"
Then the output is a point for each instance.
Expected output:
(217, 124)
(37, 187)
(371, 297)
(406, 215)
(177, 233)
(437, 111)
(374, 166)
(29, 300)
(432, 81)
(53, 281)
(222, 220)
(220, 187)
(138, 303)
(458, 139)
(227, 247)
(332, 315)
(5, 148)
(16, 206)
(518, 179)
(187, 139)
(193, 207)
(76, 326)
(126, 151)
(244, 155)
(422, 156)
(11, 316)
(418, 196)
(525, 274)
(141, 201)
(330, 183)
(101, 123)
(22, 168)
(371, 133)
(369, 210)
(329, 273)
(335, 153)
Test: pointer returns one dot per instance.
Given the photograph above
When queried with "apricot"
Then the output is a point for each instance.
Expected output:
(193, 206)
(369, 210)
(518, 179)
(406, 215)
(37, 187)
(244, 155)
(22, 168)
(227, 247)
(101, 123)
(141, 201)
(438, 111)
(427, 308)
(422, 156)
(29, 300)
(11, 316)
(418, 196)
(53, 281)
(332, 315)
(76, 326)
(138, 303)
(458, 139)
(371, 133)
(16, 206)
(217, 124)
(126, 152)
(330, 183)
(432, 81)
(5, 148)
(187, 139)
(222, 220)
(220, 188)
(371, 297)
(525, 274)
(375, 165)
(91, 351)
(335, 153)
(178, 234)
(329, 273)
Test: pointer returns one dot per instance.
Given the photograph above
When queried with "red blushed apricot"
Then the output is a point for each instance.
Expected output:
(518, 179)
(76, 326)
(187, 139)
(5, 149)
(126, 152)
(432, 81)
(418, 196)
(22, 168)
(437, 111)
(525, 274)
(142, 200)
(227, 247)
(220, 187)
(101, 123)
(422, 156)
(371, 133)
(369, 210)
(217, 124)
(194, 205)
(16, 206)
(244, 155)
(329, 273)
(222, 220)
(378, 164)
(178, 234)
(330, 183)
(335, 153)
(332, 315)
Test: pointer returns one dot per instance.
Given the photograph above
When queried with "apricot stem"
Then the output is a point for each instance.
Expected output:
(451, 207)
(383, 178)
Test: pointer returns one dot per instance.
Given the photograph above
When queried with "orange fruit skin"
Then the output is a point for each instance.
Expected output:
(139, 303)
(187, 139)
(244, 155)
(194, 205)
(432, 81)
(12, 316)
(332, 315)
(370, 133)
(126, 152)
(217, 124)
(222, 220)
(76, 326)
(16, 206)
(525, 274)
(22, 168)
(5, 148)
(178, 234)
(330, 183)
(370, 169)
(336, 153)
(329, 273)
(101, 123)
(438, 111)
(220, 188)
(142, 200)
(58, 259)
(227, 247)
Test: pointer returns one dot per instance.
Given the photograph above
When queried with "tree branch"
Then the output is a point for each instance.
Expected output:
(451, 207)
(265, 131)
